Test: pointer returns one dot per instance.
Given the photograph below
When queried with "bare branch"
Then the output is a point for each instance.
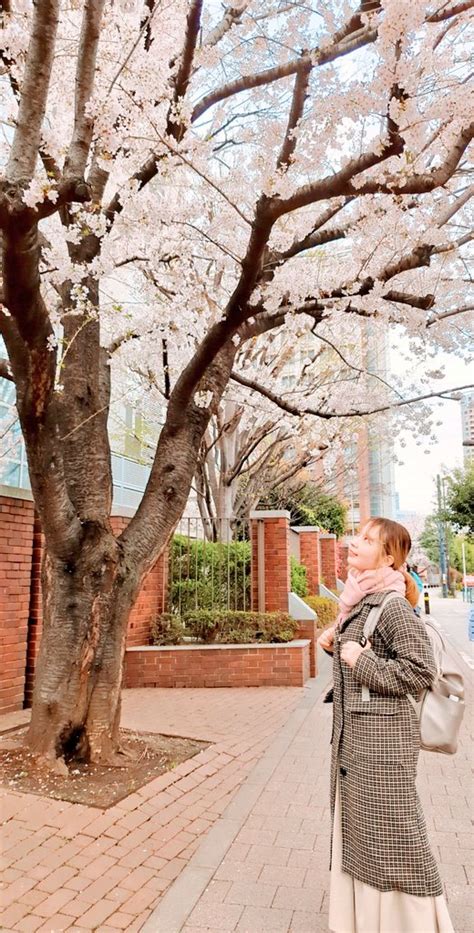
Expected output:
(296, 112)
(423, 182)
(453, 208)
(328, 415)
(350, 365)
(231, 17)
(340, 183)
(440, 15)
(35, 85)
(76, 158)
(5, 371)
(176, 128)
(445, 314)
(270, 75)
(424, 302)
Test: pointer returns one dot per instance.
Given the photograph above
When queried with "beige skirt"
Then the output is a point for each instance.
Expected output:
(355, 907)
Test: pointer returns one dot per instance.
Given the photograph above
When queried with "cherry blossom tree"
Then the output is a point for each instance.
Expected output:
(208, 153)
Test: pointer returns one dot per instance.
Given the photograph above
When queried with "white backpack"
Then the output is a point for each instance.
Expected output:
(440, 709)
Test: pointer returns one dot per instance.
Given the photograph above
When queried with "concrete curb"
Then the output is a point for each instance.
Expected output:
(179, 901)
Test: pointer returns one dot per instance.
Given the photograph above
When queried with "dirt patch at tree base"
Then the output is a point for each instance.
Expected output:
(147, 756)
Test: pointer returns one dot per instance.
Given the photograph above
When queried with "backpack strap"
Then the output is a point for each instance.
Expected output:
(370, 625)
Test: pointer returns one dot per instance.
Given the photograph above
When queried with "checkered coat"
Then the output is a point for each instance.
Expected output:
(375, 748)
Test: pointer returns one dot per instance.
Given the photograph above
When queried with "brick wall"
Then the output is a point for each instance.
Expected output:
(286, 665)
(308, 630)
(35, 622)
(276, 559)
(152, 597)
(16, 546)
(328, 554)
(21, 622)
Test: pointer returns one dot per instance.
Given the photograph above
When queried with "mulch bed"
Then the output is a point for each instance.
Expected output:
(92, 784)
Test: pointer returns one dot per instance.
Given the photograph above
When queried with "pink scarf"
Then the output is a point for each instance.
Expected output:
(361, 582)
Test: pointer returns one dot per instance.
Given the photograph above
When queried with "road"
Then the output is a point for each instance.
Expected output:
(453, 614)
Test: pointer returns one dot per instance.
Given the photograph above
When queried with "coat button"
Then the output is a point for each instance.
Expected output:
(343, 772)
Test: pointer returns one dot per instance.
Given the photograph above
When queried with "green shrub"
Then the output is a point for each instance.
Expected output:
(325, 608)
(209, 575)
(227, 627)
(167, 629)
(299, 583)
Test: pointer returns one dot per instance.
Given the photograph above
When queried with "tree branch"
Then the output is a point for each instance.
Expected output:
(446, 314)
(442, 14)
(270, 75)
(76, 158)
(424, 182)
(231, 17)
(328, 415)
(35, 85)
(296, 112)
(175, 127)
(340, 183)
(5, 370)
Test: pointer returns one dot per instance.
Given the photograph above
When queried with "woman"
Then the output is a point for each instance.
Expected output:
(384, 878)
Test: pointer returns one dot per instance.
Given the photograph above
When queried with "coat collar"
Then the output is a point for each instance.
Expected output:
(372, 599)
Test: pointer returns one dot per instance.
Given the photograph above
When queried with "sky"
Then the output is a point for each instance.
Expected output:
(415, 480)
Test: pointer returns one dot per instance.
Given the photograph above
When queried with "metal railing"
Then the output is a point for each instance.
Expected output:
(209, 566)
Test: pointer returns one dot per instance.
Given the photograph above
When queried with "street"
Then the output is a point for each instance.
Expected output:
(453, 614)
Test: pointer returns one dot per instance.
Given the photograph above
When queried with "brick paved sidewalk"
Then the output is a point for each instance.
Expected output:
(71, 867)
(264, 864)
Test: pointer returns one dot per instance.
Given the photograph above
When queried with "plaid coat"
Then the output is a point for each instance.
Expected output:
(375, 747)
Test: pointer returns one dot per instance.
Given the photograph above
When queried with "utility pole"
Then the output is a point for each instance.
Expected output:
(442, 541)
(446, 531)
(464, 574)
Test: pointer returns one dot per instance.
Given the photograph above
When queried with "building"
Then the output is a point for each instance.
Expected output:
(467, 419)
(129, 433)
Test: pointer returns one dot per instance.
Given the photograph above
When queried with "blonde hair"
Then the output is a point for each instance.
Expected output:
(395, 542)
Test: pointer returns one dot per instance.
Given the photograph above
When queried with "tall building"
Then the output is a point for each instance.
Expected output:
(467, 418)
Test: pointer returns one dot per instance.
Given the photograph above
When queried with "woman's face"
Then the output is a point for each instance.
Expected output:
(365, 550)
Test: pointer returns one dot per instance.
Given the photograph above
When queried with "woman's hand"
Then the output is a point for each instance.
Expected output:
(351, 651)
(326, 640)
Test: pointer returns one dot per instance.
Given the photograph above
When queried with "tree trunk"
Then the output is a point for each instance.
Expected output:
(86, 605)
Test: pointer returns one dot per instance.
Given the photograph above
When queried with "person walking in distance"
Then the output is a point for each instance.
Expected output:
(384, 878)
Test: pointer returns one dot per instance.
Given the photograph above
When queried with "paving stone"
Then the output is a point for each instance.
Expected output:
(299, 899)
(111, 869)
(221, 917)
(251, 895)
(263, 920)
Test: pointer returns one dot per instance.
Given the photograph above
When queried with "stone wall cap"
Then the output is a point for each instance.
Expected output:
(300, 610)
(305, 528)
(122, 511)
(325, 534)
(296, 643)
(270, 513)
(14, 492)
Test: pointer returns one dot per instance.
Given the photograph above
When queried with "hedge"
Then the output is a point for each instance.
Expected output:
(224, 627)
(167, 629)
(299, 583)
(325, 608)
(209, 575)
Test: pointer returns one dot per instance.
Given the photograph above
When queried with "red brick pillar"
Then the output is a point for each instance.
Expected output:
(343, 553)
(16, 547)
(309, 555)
(270, 536)
(328, 554)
